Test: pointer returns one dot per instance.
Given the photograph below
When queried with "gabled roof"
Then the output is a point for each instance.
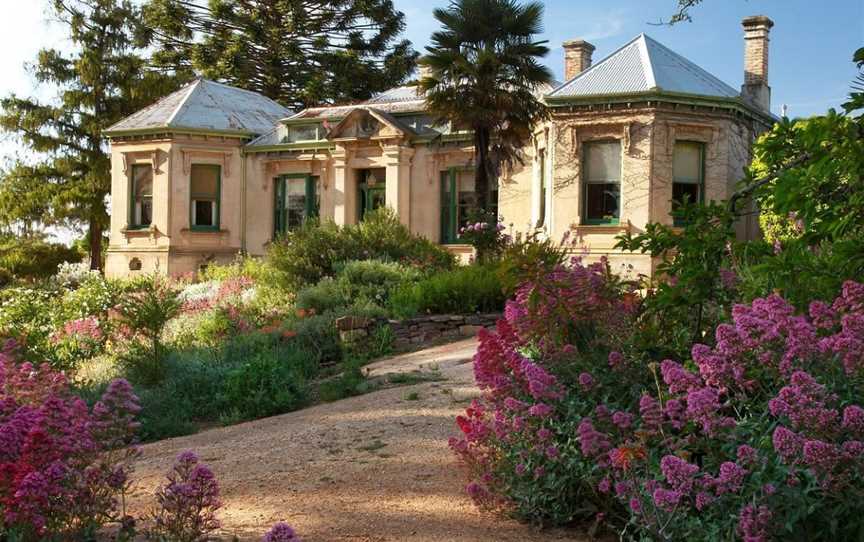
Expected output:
(381, 116)
(207, 105)
(644, 65)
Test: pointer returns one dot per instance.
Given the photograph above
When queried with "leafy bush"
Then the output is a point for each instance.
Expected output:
(265, 385)
(359, 286)
(486, 234)
(314, 251)
(32, 258)
(528, 257)
(460, 291)
(758, 437)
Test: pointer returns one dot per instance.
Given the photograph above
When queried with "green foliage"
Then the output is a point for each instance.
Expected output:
(264, 385)
(308, 254)
(527, 258)
(815, 170)
(297, 53)
(360, 286)
(349, 382)
(32, 257)
(460, 291)
(690, 298)
(484, 76)
(102, 79)
(145, 313)
(799, 272)
(318, 337)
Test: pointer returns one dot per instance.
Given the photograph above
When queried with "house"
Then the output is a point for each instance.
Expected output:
(210, 170)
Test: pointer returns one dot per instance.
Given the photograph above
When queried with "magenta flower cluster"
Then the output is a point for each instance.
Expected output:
(188, 503)
(690, 449)
(62, 465)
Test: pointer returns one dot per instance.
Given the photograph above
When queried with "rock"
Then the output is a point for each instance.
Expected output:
(469, 330)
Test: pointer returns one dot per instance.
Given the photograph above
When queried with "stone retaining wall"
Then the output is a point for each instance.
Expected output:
(415, 332)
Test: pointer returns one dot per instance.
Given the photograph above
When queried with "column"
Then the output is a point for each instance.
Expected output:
(398, 192)
(344, 190)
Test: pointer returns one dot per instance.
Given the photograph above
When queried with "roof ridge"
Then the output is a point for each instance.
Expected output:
(189, 88)
(692, 67)
(645, 57)
(592, 67)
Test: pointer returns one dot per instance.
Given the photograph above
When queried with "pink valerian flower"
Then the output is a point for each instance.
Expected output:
(703, 500)
(552, 452)
(803, 402)
(730, 479)
(650, 411)
(586, 381)
(754, 523)
(82, 329)
(666, 499)
(677, 378)
(787, 444)
(747, 455)
(541, 410)
(591, 441)
(604, 486)
(188, 503)
(281, 532)
(622, 419)
(703, 406)
(674, 410)
(853, 420)
(728, 278)
(615, 359)
(680, 474)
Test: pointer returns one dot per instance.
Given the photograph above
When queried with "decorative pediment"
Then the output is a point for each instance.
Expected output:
(366, 123)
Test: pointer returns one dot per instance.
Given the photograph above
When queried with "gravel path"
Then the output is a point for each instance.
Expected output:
(372, 468)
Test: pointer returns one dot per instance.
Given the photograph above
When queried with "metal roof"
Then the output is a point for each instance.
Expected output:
(644, 65)
(207, 105)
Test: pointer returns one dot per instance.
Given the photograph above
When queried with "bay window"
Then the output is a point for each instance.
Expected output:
(602, 182)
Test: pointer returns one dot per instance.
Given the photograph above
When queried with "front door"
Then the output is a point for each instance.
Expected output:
(372, 190)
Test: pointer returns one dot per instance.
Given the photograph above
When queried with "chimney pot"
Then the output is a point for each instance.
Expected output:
(756, 37)
(577, 57)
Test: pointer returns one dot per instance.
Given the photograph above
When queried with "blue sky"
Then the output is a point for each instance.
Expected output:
(812, 42)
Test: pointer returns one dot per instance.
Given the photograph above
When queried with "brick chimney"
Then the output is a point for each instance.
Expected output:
(577, 57)
(755, 87)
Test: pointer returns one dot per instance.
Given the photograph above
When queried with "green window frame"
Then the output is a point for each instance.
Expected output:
(292, 207)
(205, 197)
(371, 195)
(541, 215)
(601, 182)
(688, 175)
(456, 205)
(140, 196)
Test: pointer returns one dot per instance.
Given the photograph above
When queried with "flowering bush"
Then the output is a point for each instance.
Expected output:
(188, 503)
(760, 437)
(62, 466)
(486, 234)
(281, 532)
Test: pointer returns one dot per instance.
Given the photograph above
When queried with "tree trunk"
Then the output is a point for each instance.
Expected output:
(481, 168)
(95, 244)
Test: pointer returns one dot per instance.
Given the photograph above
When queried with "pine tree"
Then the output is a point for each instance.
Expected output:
(103, 80)
(298, 52)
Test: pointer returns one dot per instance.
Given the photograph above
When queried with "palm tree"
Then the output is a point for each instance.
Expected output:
(483, 73)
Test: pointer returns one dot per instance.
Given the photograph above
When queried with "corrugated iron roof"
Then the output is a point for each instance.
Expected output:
(208, 105)
(644, 65)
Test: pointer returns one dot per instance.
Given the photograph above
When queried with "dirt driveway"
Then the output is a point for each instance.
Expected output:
(369, 468)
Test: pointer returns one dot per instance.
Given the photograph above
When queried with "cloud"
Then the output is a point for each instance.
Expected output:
(608, 26)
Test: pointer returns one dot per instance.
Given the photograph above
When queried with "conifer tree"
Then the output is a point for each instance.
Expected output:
(297, 52)
(67, 179)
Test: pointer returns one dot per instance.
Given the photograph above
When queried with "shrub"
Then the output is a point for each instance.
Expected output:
(265, 385)
(281, 532)
(33, 258)
(758, 437)
(308, 254)
(528, 257)
(486, 234)
(143, 316)
(460, 291)
(359, 286)
(187, 504)
(61, 465)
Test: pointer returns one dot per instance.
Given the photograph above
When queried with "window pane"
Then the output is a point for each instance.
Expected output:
(601, 201)
(295, 203)
(204, 212)
(682, 191)
(541, 157)
(687, 162)
(142, 180)
(303, 133)
(144, 212)
(603, 161)
(205, 181)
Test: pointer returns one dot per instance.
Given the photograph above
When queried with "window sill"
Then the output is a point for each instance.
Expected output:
(141, 231)
(204, 231)
(612, 227)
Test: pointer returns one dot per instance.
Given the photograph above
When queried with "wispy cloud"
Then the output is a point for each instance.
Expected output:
(607, 26)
